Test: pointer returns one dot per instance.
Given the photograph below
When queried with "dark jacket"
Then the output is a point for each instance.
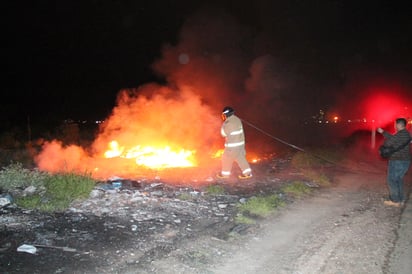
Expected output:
(397, 140)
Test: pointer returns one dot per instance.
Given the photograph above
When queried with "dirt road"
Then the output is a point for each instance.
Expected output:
(342, 229)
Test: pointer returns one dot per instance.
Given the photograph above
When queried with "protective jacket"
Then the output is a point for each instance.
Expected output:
(232, 130)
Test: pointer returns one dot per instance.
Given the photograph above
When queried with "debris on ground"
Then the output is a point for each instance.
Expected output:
(129, 223)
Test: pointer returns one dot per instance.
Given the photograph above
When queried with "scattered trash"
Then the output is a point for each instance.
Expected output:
(5, 199)
(117, 184)
(194, 193)
(311, 184)
(29, 190)
(242, 200)
(144, 213)
(64, 248)
(27, 248)
(107, 187)
(153, 185)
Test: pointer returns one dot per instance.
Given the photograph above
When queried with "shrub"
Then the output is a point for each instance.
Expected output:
(15, 176)
(69, 186)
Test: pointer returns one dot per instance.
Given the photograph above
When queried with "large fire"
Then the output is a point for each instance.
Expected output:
(153, 157)
(155, 128)
(158, 127)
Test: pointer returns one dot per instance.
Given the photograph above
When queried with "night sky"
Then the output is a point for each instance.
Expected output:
(69, 59)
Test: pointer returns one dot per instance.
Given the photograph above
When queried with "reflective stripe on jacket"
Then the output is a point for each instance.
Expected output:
(232, 130)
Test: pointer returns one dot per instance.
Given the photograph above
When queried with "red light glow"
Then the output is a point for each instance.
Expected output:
(385, 107)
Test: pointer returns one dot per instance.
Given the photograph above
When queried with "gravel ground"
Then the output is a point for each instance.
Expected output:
(151, 227)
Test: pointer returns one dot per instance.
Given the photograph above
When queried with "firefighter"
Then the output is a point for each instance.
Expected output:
(232, 131)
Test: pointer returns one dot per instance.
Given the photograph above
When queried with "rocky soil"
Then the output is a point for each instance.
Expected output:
(149, 226)
(127, 228)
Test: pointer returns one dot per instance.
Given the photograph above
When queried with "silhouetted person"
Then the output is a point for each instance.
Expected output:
(399, 161)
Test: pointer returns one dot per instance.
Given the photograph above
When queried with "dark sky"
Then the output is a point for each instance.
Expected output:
(69, 59)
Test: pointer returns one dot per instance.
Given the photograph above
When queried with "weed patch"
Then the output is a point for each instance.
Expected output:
(69, 186)
(316, 157)
(296, 188)
(258, 207)
(317, 176)
(215, 189)
(60, 189)
(185, 197)
(242, 219)
(15, 176)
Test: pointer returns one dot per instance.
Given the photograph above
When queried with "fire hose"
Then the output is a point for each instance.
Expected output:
(271, 136)
(286, 143)
(299, 148)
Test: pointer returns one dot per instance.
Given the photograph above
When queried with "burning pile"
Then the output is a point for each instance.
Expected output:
(154, 127)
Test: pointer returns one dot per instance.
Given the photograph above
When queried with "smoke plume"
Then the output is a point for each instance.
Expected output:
(214, 64)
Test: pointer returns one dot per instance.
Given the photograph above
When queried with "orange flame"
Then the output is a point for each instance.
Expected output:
(218, 154)
(152, 157)
(149, 128)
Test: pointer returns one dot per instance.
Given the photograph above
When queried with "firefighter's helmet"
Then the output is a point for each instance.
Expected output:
(227, 112)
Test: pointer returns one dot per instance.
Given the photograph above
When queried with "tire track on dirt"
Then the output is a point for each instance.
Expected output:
(343, 229)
